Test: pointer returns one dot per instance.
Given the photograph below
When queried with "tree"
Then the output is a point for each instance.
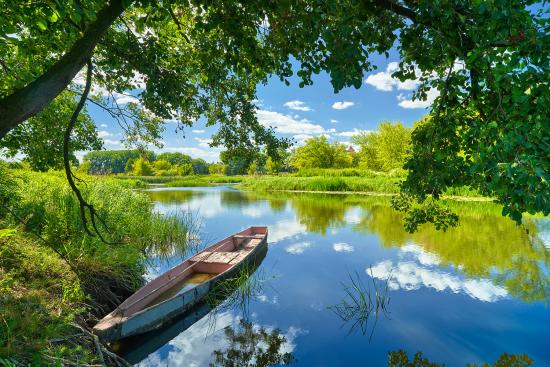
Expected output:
(319, 153)
(142, 168)
(161, 164)
(488, 61)
(384, 149)
(200, 167)
(114, 161)
(216, 168)
(238, 160)
(175, 158)
(40, 138)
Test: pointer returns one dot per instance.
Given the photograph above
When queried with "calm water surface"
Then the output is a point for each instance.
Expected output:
(459, 297)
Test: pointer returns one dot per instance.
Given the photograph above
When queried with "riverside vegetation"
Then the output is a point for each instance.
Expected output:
(55, 280)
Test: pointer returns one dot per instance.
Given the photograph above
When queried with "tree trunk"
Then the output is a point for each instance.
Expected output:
(31, 99)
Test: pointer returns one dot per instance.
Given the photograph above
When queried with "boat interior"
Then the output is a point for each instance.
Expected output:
(214, 260)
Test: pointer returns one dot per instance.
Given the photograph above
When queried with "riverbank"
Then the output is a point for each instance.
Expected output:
(55, 280)
(346, 181)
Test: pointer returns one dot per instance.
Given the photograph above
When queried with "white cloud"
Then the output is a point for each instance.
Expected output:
(350, 133)
(104, 134)
(285, 124)
(343, 247)
(298, 248)
(301, 138)
(421, 269)
(405, 102)
(103, 125)
(122, 99)
(198, 131)
(333, 121)
(112, 142)
(342, 105)
(385, 82)
(204, 142)
(298, 106)
(285, 229)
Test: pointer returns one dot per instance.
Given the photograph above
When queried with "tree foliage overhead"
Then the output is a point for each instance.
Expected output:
(40, 138)
(488, 60)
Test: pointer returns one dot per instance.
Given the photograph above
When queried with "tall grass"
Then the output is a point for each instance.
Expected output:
(52, 274)
(346, 172)
(380, 184)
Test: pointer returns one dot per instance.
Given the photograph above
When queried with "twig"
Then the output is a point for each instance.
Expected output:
(84, 206)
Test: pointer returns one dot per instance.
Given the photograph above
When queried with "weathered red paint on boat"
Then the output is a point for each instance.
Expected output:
(139, 314)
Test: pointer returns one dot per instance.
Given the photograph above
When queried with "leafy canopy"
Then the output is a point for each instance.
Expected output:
(40, 138)
(487, 60)
(319, 153)
(384, 149)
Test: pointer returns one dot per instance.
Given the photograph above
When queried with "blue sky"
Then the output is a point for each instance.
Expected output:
(300, 113)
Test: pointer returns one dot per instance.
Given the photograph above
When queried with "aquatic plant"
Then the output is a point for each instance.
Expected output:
(362, 301)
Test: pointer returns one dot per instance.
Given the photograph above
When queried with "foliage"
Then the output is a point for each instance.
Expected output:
(216, 169)
(40, 138)
(487, 60)
(52, 275)
(175, 158)
(400, 358)
(142, 167)
(319, 153)
(113, 161)
(384, 149)
(199, 166)
(161, 164)
(238, 160)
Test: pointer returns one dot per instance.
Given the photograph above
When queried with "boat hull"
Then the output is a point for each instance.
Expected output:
(156, 316)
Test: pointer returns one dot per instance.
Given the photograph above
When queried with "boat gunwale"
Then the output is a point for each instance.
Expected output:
(125, 318)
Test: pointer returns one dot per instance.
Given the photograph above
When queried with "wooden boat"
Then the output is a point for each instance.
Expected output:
(179, 289)
(138, 347)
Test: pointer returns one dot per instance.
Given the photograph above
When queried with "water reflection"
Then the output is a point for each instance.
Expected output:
(485, 245)
(459, 296)
(234, 342)
(250, 345)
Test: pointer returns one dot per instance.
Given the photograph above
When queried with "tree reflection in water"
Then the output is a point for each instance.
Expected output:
(399, 358)
(252, 346)
(484, 245)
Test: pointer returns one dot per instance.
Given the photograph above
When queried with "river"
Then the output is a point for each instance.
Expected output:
(463, 296)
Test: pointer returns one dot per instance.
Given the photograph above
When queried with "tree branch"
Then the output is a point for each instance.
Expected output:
(83, 205)
(393, 7)
(31, 99)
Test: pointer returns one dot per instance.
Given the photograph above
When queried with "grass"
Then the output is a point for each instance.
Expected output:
(379, 184)
(345, 180)
(56, 281)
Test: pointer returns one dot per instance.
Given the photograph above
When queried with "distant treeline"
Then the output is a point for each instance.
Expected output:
(383, 150)
(143, 163)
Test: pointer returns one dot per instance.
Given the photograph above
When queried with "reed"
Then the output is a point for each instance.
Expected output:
(363, 300)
